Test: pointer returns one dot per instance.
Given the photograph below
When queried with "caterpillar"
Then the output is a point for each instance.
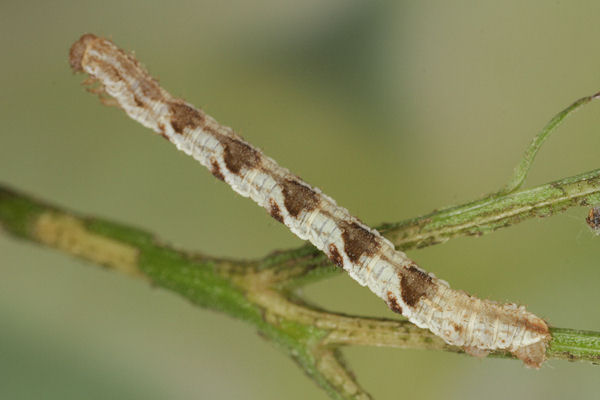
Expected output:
(477, 325)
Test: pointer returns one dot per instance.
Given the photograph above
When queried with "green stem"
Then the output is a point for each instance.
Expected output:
(255, 292)
(306, 264)
(572, 345)
(236, 288)
(524, 166)
(496, 211)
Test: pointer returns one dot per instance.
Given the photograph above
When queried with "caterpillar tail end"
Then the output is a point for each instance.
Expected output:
(533, 355)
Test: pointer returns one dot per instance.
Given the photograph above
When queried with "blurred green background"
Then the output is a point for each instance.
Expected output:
(392, 108)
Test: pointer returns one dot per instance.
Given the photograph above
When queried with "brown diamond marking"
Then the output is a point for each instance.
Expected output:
(184, 116)
(238, 155)
(358, 241)
(415, 284)
(298, 197)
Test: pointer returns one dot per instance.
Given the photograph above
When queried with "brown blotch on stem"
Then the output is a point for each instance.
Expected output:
(78, 49)
(238, 154)
(184, 116)
(275, 211)
(393, 303)
(358, 240)
(335, 256)
(415, 284)
(216, 170)
(593, 219)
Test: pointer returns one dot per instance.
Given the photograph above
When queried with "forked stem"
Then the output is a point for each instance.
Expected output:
(251, 291)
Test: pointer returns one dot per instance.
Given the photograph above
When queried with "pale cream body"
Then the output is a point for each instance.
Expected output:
(459, 319)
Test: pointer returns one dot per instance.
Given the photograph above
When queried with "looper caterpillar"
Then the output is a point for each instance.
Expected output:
(477, 325)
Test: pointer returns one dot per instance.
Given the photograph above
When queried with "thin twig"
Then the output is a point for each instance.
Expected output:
(498, 211)
(306, 264)
(521, 170)
(250, 291)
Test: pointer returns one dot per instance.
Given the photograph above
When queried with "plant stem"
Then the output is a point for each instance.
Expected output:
(495, 211)
(306, 264)
(524, 166)
(256, 291)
